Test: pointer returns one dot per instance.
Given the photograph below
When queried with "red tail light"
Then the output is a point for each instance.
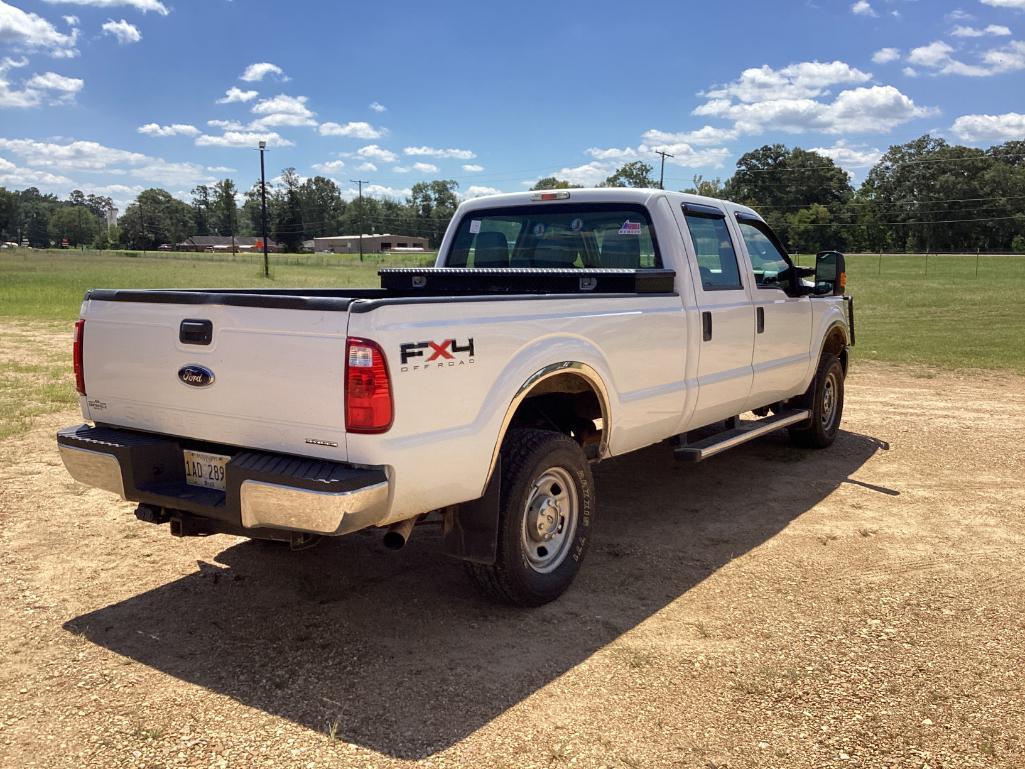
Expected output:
(368, 401)
(78, 355)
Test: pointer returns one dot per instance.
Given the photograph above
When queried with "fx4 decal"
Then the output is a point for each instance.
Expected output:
(430, 354)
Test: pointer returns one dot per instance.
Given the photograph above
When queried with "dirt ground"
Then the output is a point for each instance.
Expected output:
(856, 607)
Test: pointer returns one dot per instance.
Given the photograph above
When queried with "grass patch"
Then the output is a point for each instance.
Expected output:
(49, 285)
(940, 315)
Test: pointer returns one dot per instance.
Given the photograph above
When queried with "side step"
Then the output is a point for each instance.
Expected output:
(742, 433)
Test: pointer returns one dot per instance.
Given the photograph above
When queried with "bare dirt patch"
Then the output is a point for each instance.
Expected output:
(855, 607)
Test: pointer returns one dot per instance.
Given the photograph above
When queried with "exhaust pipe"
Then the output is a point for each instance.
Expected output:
(397, 535)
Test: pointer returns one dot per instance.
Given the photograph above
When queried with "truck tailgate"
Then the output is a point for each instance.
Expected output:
(277, 373)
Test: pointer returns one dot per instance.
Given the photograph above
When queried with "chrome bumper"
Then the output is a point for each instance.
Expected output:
(262, 490)
(272, 506)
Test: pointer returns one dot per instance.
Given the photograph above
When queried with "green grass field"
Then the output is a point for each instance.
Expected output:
(947, 317)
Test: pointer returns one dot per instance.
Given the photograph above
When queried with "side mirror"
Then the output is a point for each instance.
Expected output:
(830, 273)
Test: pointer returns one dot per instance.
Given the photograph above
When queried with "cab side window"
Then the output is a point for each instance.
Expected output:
(771, 267)
(717, 260)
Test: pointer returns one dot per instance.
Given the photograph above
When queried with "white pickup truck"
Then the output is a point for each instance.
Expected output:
(557, 329)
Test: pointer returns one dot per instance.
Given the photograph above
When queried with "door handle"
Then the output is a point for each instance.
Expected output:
(760, 319)
(195, 331)
(706, 326)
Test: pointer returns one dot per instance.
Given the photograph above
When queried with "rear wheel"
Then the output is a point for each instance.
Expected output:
(545, 515)
(825, 400)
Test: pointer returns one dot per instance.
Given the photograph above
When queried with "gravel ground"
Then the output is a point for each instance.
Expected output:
(856, 607)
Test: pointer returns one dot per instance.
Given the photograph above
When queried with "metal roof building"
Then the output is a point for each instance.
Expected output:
(372, 244)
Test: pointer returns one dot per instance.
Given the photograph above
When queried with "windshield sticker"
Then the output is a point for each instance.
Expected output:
(577, 224)
(474, 226)
(630, 228)
(539, 229)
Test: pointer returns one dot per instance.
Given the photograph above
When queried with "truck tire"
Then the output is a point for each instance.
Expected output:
(546, 512)
(825, 399)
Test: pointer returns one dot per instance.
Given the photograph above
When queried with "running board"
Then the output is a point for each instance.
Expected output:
(744, 432)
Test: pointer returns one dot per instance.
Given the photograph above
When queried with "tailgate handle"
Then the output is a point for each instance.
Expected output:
(196, 332)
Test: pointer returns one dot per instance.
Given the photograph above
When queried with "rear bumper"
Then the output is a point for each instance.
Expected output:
(262, 490)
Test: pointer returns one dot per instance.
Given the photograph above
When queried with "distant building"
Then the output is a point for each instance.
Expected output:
(219, 243)
(372, 244)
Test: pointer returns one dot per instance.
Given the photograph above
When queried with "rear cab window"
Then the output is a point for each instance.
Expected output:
(564, 235)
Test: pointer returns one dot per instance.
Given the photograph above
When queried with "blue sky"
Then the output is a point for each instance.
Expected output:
(112, 96)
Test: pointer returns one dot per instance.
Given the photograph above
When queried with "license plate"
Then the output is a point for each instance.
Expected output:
(206, 470)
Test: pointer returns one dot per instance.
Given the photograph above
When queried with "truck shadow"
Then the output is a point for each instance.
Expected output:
(397, 653)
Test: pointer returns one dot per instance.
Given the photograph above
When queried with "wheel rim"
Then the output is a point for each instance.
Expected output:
(830, 400)
(550, 519)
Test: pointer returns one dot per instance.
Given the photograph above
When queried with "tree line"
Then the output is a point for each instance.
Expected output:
(922, 196)
(925, 195)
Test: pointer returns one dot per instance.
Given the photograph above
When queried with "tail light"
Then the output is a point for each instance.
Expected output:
(368, 399)
(78, 355)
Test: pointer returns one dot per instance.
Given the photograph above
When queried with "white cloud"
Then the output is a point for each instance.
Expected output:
(863, 8)
(994, 30)
(377, 191)
(329, 167)
(586, 175)
(440, 153)
(56, 158)
(425, 168)
(848, 156)
(18, 178)
(234, 94)
(994, 128)
(702, 136)
(472, 168)
(376, 106)
(175, 129)
(373, 152)
(243, 139)
(71, 21)
(910, 72)
(886, 55)
(367, 166)
(356, 130)
(938, 57)
(684, 155)
(256, 72)
(477, 191)
(804, 80)
(227, 125)
(959, 14)
(797, 99)
(282, 110)
(58, 89)
(1016, 4)
(124, 32)
(25, 31)
(283, 104)
(140, 5)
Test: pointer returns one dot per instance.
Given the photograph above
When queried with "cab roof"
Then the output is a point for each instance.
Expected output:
(642, 196)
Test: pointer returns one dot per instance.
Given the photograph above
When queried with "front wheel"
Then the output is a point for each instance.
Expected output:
(825, 400)
(545, 515)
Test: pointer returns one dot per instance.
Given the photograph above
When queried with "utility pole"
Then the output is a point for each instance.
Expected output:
(360, 183)
(662, 170)
(263, 209)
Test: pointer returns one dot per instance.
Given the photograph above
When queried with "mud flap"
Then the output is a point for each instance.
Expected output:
(470, 530)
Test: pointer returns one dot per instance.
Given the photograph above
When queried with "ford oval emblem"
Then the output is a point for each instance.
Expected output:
(195, 375)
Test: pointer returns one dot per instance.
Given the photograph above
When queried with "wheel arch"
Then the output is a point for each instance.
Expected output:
(565, 378)
(836, 340)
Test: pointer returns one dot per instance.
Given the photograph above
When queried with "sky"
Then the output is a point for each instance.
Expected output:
(114, 96)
